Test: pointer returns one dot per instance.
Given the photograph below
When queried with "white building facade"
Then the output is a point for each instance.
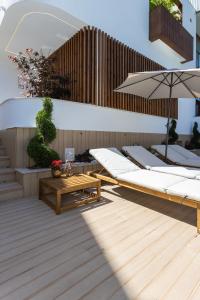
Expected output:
(47, 24)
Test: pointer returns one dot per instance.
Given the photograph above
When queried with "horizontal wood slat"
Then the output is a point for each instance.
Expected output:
(97, 64)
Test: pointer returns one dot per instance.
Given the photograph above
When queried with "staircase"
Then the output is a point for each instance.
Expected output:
(9, 187)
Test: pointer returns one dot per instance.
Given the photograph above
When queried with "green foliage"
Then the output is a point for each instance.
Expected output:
(38, 76)
(173, 136)
(170, 5)
(40, 152)
(195, 140)
(43, 121)
(48, 107)
(38, 148)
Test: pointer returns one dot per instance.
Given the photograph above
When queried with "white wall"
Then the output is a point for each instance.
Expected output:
(76, 116)
(127, 21)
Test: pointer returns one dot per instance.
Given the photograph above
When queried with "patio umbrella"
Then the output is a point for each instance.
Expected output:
(164, 84)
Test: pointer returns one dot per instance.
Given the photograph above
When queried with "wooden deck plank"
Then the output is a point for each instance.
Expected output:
(105, 232)
(129, 271)
(55, 230)
(132, 246)
(77, 238)
(121, 260)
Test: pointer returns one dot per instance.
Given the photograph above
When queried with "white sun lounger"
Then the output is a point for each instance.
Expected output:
(151, 162)
(178, 155)
(126, 174)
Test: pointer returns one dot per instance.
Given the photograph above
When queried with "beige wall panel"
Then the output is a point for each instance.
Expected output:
(16, 141)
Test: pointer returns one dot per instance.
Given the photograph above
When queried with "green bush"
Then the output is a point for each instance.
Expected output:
(44, 122)
(173, 136)
(38, 148)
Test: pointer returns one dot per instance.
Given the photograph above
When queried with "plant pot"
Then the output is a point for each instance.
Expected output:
(56, 173)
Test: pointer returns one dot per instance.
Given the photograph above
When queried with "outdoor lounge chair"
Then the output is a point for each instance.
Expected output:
(178, 155)
(149, 161)
(126, 174)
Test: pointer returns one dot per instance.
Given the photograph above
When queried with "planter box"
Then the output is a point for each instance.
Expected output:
(163, 26)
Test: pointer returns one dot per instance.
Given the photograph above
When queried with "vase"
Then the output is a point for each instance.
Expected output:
(56, 173)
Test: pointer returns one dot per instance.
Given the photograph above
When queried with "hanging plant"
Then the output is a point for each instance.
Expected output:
(170, 5)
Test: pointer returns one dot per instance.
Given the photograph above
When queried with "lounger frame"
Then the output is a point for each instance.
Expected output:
(177, 199)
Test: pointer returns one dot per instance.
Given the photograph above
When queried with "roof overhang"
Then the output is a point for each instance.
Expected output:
(35, 24)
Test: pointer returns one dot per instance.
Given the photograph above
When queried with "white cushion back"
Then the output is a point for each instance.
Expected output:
(172, 155)
(143, 156)
(113, 161)
(186, 153)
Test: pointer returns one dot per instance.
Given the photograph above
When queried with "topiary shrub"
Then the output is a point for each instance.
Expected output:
(38, 148)
(44, 122)
(173, 136)
(195, 140)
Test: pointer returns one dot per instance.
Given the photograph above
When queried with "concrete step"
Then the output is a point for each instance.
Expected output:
(10, 190)
(2, 151)
(7, 175)
(4, 161)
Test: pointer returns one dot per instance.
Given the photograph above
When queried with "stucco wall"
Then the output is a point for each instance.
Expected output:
(76, 116)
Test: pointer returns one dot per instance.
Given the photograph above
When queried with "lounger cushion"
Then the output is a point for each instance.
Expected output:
(151, 180)
(186, 153)
(188, 189)
(113, 161)
(171, 154)
(178, 157)
(151, 162)
(143, 156)
(179, 171)
(189, 163)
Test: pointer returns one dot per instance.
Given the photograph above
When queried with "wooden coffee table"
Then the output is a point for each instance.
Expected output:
(63, 185)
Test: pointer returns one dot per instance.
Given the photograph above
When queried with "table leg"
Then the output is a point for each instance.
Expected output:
(58, 203)
(40, 191)
(198, 218)
(98, 193)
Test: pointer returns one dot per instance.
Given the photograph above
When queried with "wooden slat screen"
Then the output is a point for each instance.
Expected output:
(97, 64)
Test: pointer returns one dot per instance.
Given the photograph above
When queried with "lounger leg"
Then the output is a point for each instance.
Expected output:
(198, 218)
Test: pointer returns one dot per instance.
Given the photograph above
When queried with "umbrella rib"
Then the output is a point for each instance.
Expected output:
(183, 80)
(192, 93)
(167, 80)
(157, 87)
(119, 88)
(178, 78)
(162, 81)
(191, 74)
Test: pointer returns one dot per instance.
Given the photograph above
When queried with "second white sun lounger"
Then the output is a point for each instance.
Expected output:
(170, 187)
(178, 155)
(151, 162)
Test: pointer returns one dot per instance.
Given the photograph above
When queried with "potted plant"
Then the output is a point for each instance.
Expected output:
(56, 168)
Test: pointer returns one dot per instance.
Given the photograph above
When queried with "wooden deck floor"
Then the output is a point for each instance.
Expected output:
(129, 246)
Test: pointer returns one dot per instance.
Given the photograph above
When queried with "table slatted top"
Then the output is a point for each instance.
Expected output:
(75, 182)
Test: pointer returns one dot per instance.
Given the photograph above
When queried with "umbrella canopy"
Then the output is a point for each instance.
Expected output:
(163, 84)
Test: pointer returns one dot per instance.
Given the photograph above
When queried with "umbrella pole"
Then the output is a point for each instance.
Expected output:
(168, 119)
